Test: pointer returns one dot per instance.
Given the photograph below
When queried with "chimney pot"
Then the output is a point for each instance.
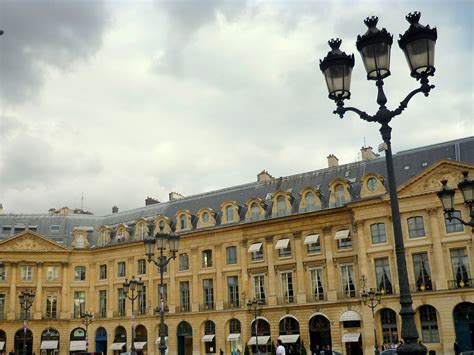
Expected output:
(264, 176)
(367, 153)
(332, 161)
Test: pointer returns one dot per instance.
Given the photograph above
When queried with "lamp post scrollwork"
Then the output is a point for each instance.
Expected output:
(87, 319)
(255, 307)
(129, 289)
(372, 299)
(26, 298)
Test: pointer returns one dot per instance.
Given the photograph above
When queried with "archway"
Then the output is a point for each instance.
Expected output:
(101, 340)
(141, 338)
(3, 342)
(233, 338)
(209, 338)
(120, 340)
(261, 336)
(20, 341)
(49, 341)
(290, 334)
(185, 338)
(463, 315)
(319, 333)
(77, 341)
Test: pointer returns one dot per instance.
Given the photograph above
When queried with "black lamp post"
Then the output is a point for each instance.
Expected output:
(374, 298)
(446, 195)
(418, 44)
(162, 238)
(87, 318)
(26, 301)
(130, 287)
(254, 306)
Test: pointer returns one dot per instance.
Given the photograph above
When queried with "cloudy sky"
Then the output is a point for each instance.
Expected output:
(120, 100)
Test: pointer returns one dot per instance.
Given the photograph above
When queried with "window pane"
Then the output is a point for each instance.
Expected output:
(454, 225)
(378, 233)
(231, 255)
(416, 227)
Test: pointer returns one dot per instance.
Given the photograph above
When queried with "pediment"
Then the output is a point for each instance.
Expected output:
(429, 180)
(31, 242)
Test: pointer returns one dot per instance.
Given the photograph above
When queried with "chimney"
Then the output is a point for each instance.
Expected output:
(332, 161)
(151, 201)
(367, 153)
(264, 176)
(115, 209)
(173, 196)
(1, 208)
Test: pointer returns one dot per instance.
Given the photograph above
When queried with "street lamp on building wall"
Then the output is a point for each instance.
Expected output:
(374, 298)
(130, 287)
(163, 238)
(87, 318)
(418, 44)
(255, 306)
(26, 301)
(446, 195)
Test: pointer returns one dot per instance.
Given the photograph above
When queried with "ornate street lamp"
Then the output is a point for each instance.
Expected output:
(255, 306)
(374, 298)
(446, 195)
(418, 44)
(161, 239)
(26, 301)
(87, 319)
(130, 287)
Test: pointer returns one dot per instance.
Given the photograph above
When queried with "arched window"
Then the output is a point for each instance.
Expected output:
(429, 324)
(205, 217)
(255, 210)
(229, 213)
(339, 194)
(389, 326)
(140, 231)
(310, 202)
(102, 237)
(183, 222)
(80, 241)
(281, 206)
(209, 336)
(234, 326)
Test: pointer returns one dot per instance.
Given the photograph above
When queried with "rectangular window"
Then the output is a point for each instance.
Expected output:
(26, 273)
(102, 303)
(421, 267)
(121, 269)
(3, 273)
(344, 240)
(348, 285)
(142, 301)
(429, 324)
(460, 264)
(231, 253)
(317, 284)
(121, 302)
(378, 233)
(54, 228)
(6, 230)
(287, 287)
(416, 227)
(313, 244)
(256, 251)
(382, 275)
(233, 291)
(52, 273)
(284, 247)
(2, 306)
(208, 293)
(183, 262)
(51, 305)
(207, 258)
(79, 303)
(184, 296)
(103, 272)
(80, 273)
(454, 225)
(141, 267)
(259, 287)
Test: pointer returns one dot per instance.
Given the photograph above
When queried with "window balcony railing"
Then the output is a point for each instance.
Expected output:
(285, 300)
(426, 287)
(120, 314)
(232, 305)
(387, 291)
(341, 295)
(316, 297)
(183, 308)
(456, 284)
(208, 306)
(50, 315)
(101, 314)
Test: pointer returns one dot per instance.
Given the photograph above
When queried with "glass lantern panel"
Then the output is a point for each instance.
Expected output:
(376, 58)
(420, 55)
(338, 80)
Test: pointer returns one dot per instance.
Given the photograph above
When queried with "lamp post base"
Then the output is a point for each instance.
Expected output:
(412, 349)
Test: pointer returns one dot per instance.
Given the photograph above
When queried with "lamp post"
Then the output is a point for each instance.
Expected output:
(446, 195)
(418, 44)
(87, 318)
(254, 306)
(163, 239)
(130, 287)
(26, 301)
(374, 298)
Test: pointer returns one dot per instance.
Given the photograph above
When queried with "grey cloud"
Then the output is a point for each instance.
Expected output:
(45, 34)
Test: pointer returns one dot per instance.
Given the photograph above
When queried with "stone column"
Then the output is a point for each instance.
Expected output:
(331, 274)
(36, 314)
(92, 302)
(438, 268)
(150, 284)
(362, 259)
(219, 291)
(244, 287)
(195, 301)
(14, 301)
(300, 272)
(271, 281)
(112, 295)
(65, 297)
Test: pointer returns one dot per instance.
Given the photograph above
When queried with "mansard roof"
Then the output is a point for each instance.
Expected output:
(408, 164)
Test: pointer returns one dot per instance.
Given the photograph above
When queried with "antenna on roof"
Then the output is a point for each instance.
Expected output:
(365, 145)
(82, 200)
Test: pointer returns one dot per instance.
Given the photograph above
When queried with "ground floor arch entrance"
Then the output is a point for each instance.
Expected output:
(185, 338)
(319, 333)
(463, 315)
(20, 341)
(101, 340)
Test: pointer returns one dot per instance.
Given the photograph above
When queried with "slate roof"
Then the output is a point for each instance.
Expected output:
(408, 163)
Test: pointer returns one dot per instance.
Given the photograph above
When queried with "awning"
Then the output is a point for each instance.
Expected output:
(286, 339)
(47, 345)
(233, 337)
(282, 243)
(311, 239)
(2, 345)
(139, 344)
(348, 316)
(208, 338)
(255, 247)
(262, 340)
(116, 346)
(350, 337)
(157, 341)
(77, 345)
(344, 234)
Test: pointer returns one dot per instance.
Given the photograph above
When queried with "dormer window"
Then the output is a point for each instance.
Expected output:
(281, 206)
(140, 234)
(229, 213)
(310, 201)
(371, 184)
(255, 210)
(102, 240)
(183, 222)
(80, 242)
(205, 217)
(339, 194)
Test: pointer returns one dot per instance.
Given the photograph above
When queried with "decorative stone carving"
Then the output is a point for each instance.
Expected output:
(29, 244)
